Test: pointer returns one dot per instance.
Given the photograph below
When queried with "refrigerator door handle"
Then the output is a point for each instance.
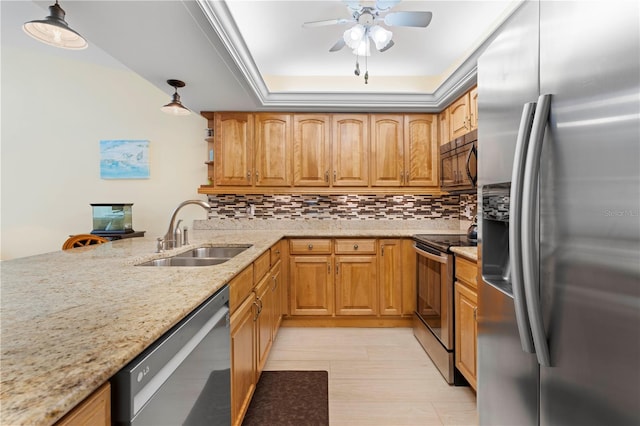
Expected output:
(515, 227)
(529, 248)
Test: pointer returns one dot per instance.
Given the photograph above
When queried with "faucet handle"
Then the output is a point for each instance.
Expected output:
(160, 245)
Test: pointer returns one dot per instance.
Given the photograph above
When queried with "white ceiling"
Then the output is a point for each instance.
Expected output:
(255, 55)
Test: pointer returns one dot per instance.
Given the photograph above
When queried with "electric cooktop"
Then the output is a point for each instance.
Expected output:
(445, 242)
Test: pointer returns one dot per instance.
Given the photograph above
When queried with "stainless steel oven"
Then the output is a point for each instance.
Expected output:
(433, 323)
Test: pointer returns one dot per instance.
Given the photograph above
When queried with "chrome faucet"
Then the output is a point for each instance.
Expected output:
(170, 238)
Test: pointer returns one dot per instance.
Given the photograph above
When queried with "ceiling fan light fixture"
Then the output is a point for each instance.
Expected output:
(175, 107)
(380, 36)
(363, 48)
(54, 30)
(353, 36)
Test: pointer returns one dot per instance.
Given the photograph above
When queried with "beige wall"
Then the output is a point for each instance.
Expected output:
(55, 110)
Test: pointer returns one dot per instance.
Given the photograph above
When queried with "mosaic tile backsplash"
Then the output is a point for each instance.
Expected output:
(343, 207)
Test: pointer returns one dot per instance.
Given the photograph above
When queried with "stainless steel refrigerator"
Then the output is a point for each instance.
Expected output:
(559, 235)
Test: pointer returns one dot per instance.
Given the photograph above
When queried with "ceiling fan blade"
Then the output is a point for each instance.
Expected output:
(338, 21)
(339, 45)
(352, 5)
(408, 19)
(387, 47)
(383, 5)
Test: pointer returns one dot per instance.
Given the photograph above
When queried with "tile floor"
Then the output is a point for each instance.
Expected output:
(377, 376)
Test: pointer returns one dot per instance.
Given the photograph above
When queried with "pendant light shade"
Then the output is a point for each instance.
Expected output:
(175, 107)
(54, 30)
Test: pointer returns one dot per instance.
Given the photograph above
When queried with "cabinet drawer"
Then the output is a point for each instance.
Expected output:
(310, 246)
(351, 246)
(95, 410)
(239, 287)
(261, 266)
(467, 271)
(276, 253)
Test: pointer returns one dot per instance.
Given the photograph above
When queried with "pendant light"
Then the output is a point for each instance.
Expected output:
(54, 30)
(175, 107)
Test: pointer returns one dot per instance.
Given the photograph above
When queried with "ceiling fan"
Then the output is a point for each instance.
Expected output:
(367, 26)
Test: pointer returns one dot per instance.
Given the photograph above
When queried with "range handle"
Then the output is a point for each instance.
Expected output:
(515, 227)
(529, 243)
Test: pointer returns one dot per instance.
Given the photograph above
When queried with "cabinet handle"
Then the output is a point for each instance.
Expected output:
(475, 313)
(275, 283)
(382, 250)
(310, 246)
(249, 175)
(257, 175)
(255, 317)
(278, 252)
(355, 247)
(337, 269)
(402, 176)
(335, 176)
(406, 178)
(261, 306)
(326, 176)
(328, 268)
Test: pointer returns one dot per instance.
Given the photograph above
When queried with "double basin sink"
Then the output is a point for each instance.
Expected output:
(201, 256)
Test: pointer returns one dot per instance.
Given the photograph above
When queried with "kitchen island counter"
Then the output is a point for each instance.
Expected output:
(71, 319)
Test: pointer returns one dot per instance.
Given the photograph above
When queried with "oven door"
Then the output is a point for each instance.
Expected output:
(435, 292)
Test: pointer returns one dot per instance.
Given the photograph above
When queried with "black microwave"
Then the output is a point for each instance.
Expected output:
(459, 164)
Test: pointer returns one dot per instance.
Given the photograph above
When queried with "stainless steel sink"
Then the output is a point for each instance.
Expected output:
(201, 256)
(185, 261)
(214, 251)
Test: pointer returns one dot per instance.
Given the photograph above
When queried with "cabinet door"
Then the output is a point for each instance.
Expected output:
(459, 117)
(273, 149)
(350, 150)
(276, 288)
(473, 108)
(264, 321)
(356, 285)
(390, 277)
(466, 307)
(444, 132)
(311, 285)
(233, 148)
(387, 150)
(421, 150)
(243, 358)
(311, 136)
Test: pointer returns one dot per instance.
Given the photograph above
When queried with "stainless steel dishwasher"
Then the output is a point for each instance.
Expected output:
(184, 378)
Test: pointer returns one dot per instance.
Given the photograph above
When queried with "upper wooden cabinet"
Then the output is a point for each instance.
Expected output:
(233, 134)
(444, 132)
(420, 150)
(473, 108)
(350, 153)
(306, 152)
(273, 149)
(463, 115)
(311, 137)
(459, 117)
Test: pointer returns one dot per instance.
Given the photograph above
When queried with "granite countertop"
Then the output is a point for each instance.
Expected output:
(69, 320)
(470, 253)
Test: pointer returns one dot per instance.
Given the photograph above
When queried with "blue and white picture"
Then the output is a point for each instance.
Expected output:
(124, 159)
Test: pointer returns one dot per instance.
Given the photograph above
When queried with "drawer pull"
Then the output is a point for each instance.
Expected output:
(355, 247)
(310, 246)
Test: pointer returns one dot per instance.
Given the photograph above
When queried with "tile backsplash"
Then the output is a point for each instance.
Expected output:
(343, 207)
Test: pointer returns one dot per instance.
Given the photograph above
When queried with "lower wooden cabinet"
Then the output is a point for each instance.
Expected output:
(254, 323)
(353, 277)
(466, 325)
(311, 285)
(95, 410)
(243, 358)
(356, 285)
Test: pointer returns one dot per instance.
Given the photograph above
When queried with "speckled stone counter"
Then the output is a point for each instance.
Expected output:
(470, 253)
(69, 320)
